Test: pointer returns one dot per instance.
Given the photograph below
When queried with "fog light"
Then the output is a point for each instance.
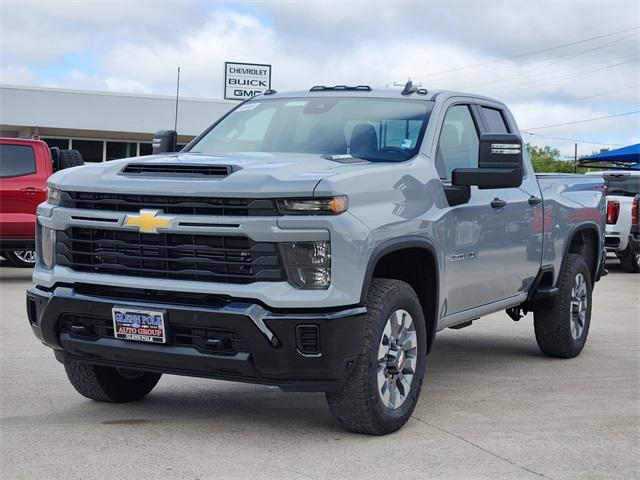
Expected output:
(308, 264)
(48, 246)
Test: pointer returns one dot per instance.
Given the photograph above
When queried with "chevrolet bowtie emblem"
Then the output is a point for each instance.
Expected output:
(148, 221)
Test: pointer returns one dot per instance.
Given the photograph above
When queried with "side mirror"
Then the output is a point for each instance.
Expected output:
(499, 163)
(164, 141)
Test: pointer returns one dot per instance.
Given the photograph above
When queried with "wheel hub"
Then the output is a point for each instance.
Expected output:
(397, 358)
(579, 306)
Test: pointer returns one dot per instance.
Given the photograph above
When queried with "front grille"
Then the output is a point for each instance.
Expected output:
(177, 205)
(189, 299)
(210, 340)
(176, 170)
(176, 256)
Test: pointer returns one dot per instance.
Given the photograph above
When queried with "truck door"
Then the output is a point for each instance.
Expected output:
(527, 223)
(473, 234)
(21, 189)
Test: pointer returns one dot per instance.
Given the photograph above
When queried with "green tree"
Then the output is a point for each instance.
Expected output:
(547, 160)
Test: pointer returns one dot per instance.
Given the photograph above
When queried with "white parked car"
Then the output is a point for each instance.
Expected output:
(623, 231)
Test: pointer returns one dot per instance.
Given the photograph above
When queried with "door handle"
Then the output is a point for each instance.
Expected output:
(533, 200)
(498, 203)
(31, 191)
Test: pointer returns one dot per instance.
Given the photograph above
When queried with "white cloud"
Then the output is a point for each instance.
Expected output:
(136, 47)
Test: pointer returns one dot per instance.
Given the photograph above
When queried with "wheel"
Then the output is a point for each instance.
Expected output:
(630, 260)
(69, 158)
(20, 258)
(562, 325)
(383, 388)
(109, 384)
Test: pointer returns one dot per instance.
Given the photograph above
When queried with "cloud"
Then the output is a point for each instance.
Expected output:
(526, 54)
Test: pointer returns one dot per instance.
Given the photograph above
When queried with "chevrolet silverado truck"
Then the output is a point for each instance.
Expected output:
(315, 241)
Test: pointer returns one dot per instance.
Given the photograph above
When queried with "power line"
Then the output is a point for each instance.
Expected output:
(559, 79)
(584, 121)
(578, 99)
(518, 75)
(573, 139)
(520, 55)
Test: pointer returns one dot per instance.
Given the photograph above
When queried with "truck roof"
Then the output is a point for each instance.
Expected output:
(364, 91)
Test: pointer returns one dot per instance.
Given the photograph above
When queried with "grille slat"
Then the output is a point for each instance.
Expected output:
(219, 258)
(227, 341)
(177, 205)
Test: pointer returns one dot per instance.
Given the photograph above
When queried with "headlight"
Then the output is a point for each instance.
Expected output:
(308, 264)
(48, 246)
(311, 206)
(53, 196)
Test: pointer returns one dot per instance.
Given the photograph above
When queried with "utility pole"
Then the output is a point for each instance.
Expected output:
(575, 157)
(175, 123)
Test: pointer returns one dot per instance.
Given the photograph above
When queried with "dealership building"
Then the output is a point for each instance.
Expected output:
(102, 125)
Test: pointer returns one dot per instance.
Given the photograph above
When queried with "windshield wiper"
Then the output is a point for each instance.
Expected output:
(343, 158)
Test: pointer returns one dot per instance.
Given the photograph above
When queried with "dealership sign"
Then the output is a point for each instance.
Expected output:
(245, 80)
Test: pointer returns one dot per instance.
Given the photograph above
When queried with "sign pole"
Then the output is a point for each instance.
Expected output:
(175, 123)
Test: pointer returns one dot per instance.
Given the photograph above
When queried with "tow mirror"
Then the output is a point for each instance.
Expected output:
(499, 163)
(164, 141)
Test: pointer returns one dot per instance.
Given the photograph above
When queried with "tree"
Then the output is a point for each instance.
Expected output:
(547, 159)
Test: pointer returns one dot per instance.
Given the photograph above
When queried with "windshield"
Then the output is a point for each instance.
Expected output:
(622, 185)
(369, 128)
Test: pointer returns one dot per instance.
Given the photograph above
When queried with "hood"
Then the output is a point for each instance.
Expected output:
(255, 175)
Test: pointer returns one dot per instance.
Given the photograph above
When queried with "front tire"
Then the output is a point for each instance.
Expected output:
(562, 325)
(109, 384)
(380, 394)
(20, 258)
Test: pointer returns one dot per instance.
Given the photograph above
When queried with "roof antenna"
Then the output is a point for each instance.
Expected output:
(409, 88)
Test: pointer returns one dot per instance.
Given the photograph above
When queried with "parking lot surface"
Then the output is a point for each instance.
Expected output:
(492, 407)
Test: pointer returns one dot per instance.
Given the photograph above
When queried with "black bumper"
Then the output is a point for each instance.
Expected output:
(262, 346)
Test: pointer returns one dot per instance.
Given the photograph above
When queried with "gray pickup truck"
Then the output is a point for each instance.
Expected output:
(315, 241)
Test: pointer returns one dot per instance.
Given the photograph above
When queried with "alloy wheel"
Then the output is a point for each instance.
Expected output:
(579, 304)
(397, 359)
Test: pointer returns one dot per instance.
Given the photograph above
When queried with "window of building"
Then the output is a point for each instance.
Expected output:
(458, 145)
(61, 143)
(117, 150)
(16, 161)
(494, 120)
(145, 149)
(91, 150)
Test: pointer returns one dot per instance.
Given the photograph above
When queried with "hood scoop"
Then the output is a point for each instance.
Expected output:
(177, 170)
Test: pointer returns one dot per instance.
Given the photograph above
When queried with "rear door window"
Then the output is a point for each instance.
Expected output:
(16, 161)
(494, 120)
(623, 185)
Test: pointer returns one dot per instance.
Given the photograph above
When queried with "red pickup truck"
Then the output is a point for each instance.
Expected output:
(25, 166)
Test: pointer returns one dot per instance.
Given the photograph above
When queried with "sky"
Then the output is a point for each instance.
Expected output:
(552, 63)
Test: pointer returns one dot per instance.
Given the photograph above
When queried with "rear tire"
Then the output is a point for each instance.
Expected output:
(109, 384)
(380, 394)
(562, 325)
(20, 258)
(630, 260)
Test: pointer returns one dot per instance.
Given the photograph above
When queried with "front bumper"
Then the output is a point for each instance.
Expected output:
(269, 345)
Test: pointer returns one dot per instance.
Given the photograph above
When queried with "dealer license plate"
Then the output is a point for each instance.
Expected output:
(139, 325)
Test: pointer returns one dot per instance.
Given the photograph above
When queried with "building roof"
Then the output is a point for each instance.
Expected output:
(106, 111)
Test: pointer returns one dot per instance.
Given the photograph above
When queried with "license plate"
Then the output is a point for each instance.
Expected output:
(139, 325)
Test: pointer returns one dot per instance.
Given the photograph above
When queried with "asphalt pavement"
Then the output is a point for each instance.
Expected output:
(492, 407)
